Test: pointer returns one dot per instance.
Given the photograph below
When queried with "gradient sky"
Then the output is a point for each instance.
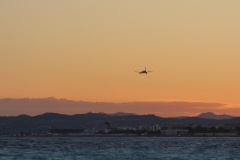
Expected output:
(89, 50)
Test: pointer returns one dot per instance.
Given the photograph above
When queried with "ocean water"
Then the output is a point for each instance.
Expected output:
(116, 148)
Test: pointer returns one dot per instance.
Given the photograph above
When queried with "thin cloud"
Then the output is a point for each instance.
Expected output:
(13, 107)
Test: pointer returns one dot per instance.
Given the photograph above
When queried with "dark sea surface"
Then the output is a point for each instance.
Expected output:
(115, 148)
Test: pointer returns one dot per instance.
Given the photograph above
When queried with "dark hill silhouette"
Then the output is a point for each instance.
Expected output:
(47, 121)
(210, 115)
(121, 114)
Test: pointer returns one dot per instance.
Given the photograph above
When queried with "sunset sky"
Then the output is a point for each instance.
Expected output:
(89, 51)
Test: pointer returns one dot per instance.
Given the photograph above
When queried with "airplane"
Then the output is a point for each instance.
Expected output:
(143, 71)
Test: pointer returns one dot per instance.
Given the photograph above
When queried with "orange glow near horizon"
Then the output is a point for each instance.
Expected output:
(90, 50)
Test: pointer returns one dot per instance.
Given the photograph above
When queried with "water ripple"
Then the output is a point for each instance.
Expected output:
(119, 148)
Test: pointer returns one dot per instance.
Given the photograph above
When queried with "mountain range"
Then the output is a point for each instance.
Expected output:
(119, 114)
(45, 122)
(207, 115)
(210, 115)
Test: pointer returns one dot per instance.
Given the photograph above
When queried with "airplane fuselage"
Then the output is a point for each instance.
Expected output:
(143, 71)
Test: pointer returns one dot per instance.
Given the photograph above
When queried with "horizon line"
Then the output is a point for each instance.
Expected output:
(127, 114)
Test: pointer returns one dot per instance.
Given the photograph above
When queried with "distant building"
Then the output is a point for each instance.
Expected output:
(154, 128)
(126, 128)
(149, 128)
(176, 132)
(65, 131)
(140, 128)
(158, 127)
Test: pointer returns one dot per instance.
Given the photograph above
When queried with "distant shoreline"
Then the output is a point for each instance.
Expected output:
(121, 136)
